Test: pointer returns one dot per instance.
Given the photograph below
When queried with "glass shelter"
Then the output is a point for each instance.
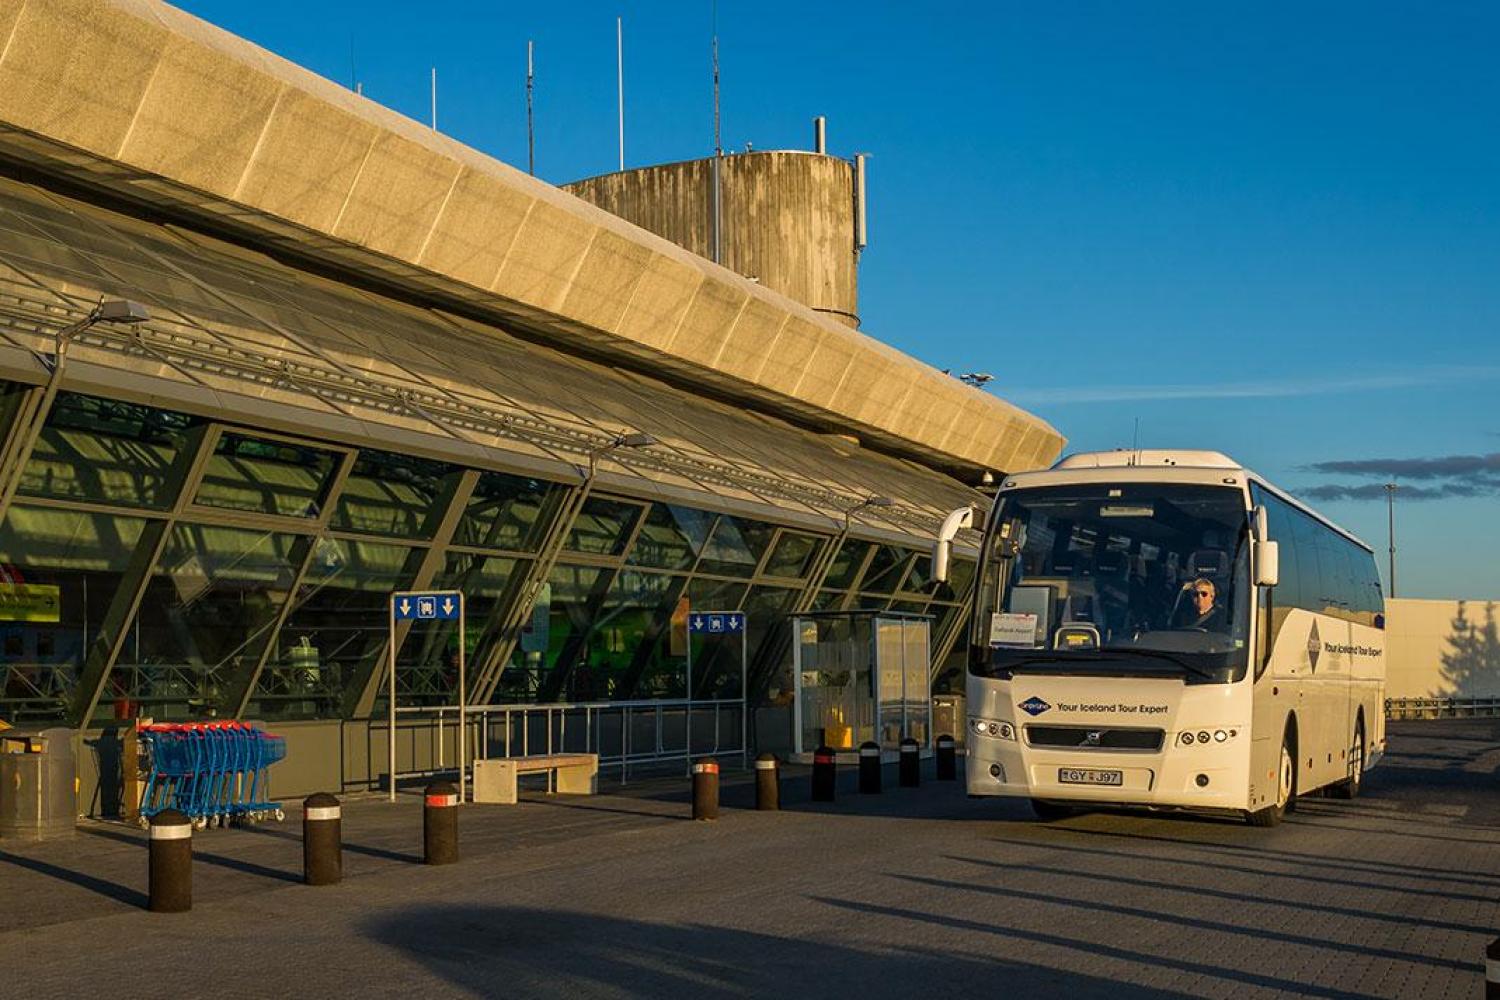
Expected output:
(860, 676)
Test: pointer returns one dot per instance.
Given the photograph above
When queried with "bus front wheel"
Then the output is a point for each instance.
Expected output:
(1286, 787)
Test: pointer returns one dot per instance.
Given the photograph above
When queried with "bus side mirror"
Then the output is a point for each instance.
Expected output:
(1267, 564)
(942, 549)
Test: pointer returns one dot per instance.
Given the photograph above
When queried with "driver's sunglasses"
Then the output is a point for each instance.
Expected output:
(1204, 593)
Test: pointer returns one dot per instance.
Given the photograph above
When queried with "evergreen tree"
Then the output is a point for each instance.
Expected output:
(1471, 665)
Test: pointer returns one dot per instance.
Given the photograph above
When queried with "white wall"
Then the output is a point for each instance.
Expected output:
(1442, 649)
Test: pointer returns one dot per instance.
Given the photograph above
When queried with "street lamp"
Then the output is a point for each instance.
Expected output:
(1390, 513)
(628, 439)
(866, 502)
(105, 311)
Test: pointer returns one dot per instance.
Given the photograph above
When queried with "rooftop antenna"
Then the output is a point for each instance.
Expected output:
(620, 81)
(434, 98)
(718, 219)
(530, 121)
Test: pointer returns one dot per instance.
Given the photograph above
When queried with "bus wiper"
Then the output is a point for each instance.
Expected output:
(1157, 654)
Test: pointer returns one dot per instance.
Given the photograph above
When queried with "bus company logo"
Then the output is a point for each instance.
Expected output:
(1034, 706)
(1314, 647)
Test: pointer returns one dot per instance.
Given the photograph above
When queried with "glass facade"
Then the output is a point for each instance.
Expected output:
(191, 569)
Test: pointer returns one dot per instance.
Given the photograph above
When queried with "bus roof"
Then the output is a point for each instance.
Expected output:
(1210, 466)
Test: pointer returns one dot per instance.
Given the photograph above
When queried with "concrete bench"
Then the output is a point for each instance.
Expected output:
(495, 780)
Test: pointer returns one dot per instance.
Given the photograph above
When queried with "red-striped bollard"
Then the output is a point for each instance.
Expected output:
(322, 840)
(440, 824)
(869, 768)
(767, 782)
(1492, 971)
(824, 774)
(170, 877)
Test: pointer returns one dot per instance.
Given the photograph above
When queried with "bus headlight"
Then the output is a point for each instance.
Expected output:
(993, 728)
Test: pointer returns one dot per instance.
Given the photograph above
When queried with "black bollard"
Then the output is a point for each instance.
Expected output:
(440, 824)
(1492, 970)
(824, 765)
(869, 768)
(767, 782)
(947, 759)
(911, 763)
(171, 863)
(322, 840)
(706, 790)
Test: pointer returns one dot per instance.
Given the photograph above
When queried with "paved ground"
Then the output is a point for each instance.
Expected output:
(916, 893)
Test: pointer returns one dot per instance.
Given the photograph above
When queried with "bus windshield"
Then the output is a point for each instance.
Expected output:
(1134, 578)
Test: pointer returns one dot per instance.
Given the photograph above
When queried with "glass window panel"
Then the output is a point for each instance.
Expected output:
(705, 594)
(886, 570)
(427, 664)
(736, 547)
(629, 654)
(508, 512)
(395, 495)
(603, 527)
(920, 577)
(847, 564)
(208, 611)
(672, 537)
(336, 630)
(59, 571)
(569, 604)
(792, 555)
(103, 451)
(268, 477)
(828, 600)
(716, 659)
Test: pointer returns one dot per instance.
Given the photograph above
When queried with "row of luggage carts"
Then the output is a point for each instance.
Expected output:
(214, 772)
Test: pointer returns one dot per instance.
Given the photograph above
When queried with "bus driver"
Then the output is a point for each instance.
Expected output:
(1205, 614)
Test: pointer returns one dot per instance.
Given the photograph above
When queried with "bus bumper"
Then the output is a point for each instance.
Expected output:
(1210, 779)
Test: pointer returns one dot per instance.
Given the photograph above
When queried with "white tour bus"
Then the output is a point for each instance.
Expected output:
(1166, 629)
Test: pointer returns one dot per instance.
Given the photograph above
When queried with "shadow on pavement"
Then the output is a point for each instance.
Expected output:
(1123, 954)
(102, 886)
(527, 952)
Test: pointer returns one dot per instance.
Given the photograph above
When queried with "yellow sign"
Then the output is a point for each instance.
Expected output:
(30, 602)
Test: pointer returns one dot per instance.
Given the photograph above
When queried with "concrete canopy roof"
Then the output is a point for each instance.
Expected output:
(143, 100)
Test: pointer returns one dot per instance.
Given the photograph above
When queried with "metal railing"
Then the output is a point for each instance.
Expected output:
(1441, 708)
(624, 734)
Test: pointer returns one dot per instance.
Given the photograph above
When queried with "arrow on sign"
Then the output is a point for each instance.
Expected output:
(405, 606)
(447, 605)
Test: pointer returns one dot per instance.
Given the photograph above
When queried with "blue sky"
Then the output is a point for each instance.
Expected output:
(1273, 230)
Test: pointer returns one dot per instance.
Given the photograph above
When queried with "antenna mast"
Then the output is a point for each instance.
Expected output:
(620, 81)
(530, 121)
(718, 220)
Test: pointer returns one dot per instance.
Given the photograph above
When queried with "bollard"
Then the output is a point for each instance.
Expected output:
(910, 773)
(767, 783)
(947, 759)
(322, 840)
(706, 790)
(1492, 970)
(440, 824)
(824, 773)
(171, 863)
(869, 768)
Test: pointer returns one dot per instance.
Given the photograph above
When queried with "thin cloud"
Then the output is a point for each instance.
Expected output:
(1261, 389)
(1444, 477)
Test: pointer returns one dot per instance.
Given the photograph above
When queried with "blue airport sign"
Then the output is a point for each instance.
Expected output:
(717, 622)
(438, 605)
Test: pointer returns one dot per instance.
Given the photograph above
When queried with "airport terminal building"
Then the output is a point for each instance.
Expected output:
(376, 360)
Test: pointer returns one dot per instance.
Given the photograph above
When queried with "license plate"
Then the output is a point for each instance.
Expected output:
(1089, 776)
